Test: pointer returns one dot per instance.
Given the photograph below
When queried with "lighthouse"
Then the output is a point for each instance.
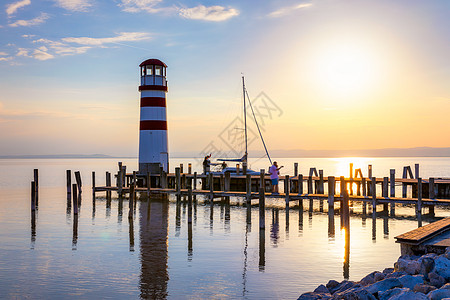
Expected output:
(153, 152)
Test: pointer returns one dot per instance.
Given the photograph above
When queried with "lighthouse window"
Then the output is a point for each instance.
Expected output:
(149, 70)
(158, 70)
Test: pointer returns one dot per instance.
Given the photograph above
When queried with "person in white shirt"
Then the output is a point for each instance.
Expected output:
(274, 171)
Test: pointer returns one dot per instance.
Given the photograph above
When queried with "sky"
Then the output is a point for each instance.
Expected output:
(325, 74)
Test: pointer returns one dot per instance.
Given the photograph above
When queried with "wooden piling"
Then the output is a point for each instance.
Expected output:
(119, 180)
(93, 185)
(262, 177)
(262, 204)
(331, 190)
(248, 188)
(33, 196)
(431, 188)
(69, 183)
(392, 187)
(189, 205)
(36, 182)
(351, 178)
(295, 169)
(78, 180)
(189, 168)
(181, 169)
(227, 181)
(237, 169)
(195, 181)
(148, 180)
(75, 198)
(419, 196)
(211, 188)
(346, 210)
(384, 192)
(300, 184)
(108, 183)
(131, 201)
(321, 183)
(369, 171)
(374, 194)
(416, 168)
(178, 181)
(286, 192)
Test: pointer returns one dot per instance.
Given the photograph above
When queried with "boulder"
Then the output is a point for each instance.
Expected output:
(395, 274)
(410, 281)
(359, 293)
(424, 288)
(435, 279)
(388, 271)
(409, 295)
(426, 264)
(390, 293)
(369, 279)
(442, 266)
(332, 284)
(322, 289)
(413, 267)
(447, 253)
(314, 296)
(384, 285)
(441, 293)
(379, 276)
(344, 285)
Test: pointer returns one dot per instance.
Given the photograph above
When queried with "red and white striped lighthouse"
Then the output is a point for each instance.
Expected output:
(153, 152)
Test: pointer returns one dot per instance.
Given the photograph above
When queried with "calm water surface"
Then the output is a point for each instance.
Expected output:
(157, 255)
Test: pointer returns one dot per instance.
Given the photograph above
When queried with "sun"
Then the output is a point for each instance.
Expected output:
(345, 69)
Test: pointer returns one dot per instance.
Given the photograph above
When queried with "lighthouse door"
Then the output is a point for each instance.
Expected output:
(164, 160)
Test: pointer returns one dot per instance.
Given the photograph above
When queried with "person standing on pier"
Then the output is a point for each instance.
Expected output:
(274, 172)
(207, 164)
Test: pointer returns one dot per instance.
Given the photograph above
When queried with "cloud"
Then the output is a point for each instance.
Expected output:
(42, 53)
(135, 6)
(211, 13)
(288, 10)
(122, 37)
(3, 53)
(74, 5)
(13, 7)
(33, 22)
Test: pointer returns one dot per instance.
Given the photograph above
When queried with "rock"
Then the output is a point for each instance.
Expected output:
(388, 271)
(395, 274)
(314, 296)
(359, 293)
(435, 279)
(447, 253)
(390, 293)
(413, 267)
(369, 279)
(331, 285)
(426, 264)
(344, 285)
(423, 288)
(442, 266)
(409, 295)
(441, 293)
(321, 289)
(401, 264)
(384, 285)
(379, 276)
(410, 281)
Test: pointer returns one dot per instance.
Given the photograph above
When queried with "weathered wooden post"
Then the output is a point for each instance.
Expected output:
(222, 182)
(300, 184)
(331, 189)
(131, 201)
(36, 181)
(364, 193)
(287, 199)
(432, 194)
(195, 181)
(93, 185)
(262, 216)
(211, 188)
(262, 181)
(369, 176)
(384, 192)
(178, 183)
(392, 193)
(181, 169)
(78, 180)
(321, 183)
(404, 185)
(295, 169)
(374, 195)
(33, 196)
(227, 181)
(419, 196)
(248, 188)
(351, 178)
(69, 184)
(119, 180)
(310, 183)
(189, 168)
(148, 180)
(189, 205)
(343, 185)
(237, 169)
(108, 184)
(346, 212)
(75, 199)
(416, 168)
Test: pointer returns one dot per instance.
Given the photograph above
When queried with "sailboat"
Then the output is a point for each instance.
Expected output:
(244, 159)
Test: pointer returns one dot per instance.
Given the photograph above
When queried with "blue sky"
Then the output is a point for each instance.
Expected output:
(336, 69)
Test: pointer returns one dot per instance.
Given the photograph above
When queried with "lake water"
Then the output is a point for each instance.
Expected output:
(157, 255)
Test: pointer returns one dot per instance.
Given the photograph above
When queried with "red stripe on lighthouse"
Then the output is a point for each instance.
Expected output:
(153, 125)
(153, 102)
(153, 88)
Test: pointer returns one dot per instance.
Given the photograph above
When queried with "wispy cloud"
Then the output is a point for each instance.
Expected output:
(122, 37)
(74, 5)
(49, 49)
(288, 10)
(33, 22)
(211, 13)
(13, 7)
(150, 6)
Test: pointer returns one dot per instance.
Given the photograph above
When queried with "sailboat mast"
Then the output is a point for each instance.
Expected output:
(245, 118)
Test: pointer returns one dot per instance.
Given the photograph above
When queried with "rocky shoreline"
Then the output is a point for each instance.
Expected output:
(413, 277)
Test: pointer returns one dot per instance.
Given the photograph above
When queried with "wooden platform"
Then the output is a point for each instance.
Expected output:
(422, 234)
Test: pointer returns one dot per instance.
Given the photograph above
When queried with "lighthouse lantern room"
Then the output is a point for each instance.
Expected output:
(153, 150)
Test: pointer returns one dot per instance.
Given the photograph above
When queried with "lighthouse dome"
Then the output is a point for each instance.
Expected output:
(153, 61)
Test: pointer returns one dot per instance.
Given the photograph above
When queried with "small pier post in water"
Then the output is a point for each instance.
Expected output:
(69, 184)
(189, 168)
(36, 182)
(287, 192)
(78, 180)
(419, 201)
(33, 196)
(178, 183)
(93, 186)
(384, 192)
(374, 195)
(364, 193)
(108, 184)
(189, 205)
(331, 189)
(131, 201)
(351, 178)
(262, 205)
(432, 195)
(392, 193)
(75, 199)
(416, 169)
(295, 169)
(300, 184)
